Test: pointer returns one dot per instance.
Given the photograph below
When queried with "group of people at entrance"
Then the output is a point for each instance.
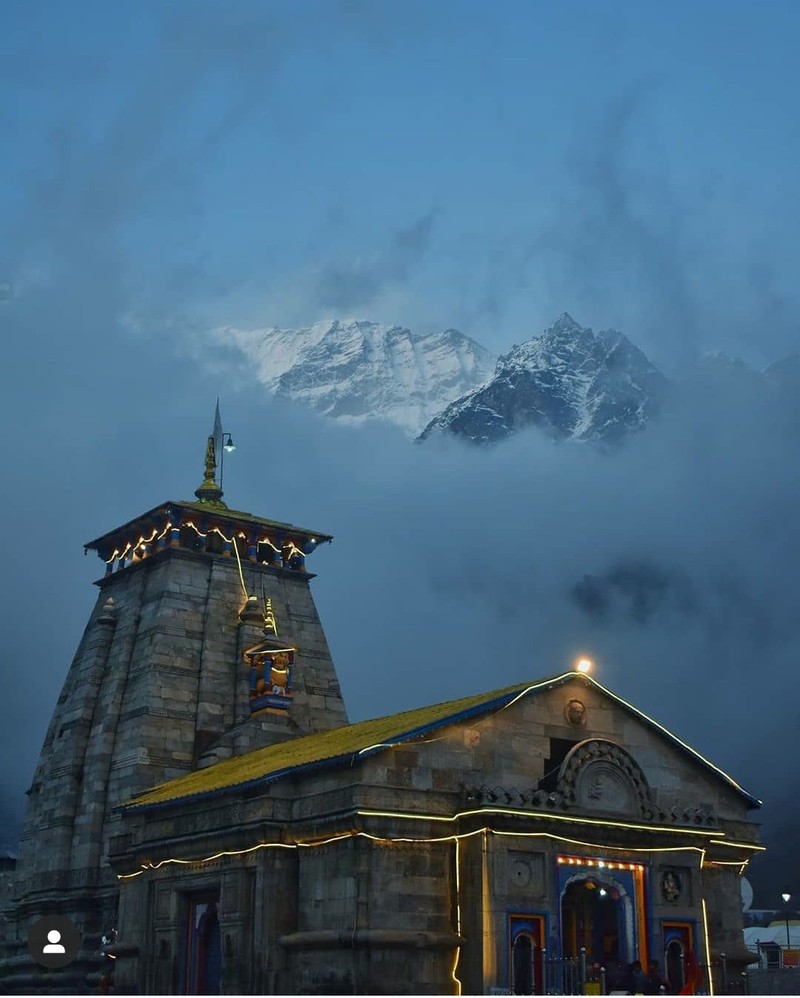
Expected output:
(634, 981)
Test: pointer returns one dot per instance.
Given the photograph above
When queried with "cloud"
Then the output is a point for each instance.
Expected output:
(454, 570)
(638, 590)
(469, 569)
(682, 265)
(361, 281)
(621, 241)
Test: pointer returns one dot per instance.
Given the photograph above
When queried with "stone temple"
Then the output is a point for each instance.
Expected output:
(207, 817)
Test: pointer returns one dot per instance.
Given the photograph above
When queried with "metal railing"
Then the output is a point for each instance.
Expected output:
(552, 975)
(556, 975)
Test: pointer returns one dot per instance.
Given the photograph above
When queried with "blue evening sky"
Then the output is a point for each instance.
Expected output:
(451, 163)
(171, 167)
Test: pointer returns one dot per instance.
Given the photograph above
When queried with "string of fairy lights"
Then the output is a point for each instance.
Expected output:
(138, 548)
(360, 833)
(590, 862)
(624, 862)
(593, 682)
(708, 945)
(626, 857)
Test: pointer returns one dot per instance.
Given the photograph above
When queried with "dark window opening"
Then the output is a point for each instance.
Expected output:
(189, 539)
(559, 749)
(214, 543)
(267, 554)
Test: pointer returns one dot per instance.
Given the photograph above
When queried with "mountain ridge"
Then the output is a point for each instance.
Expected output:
(357, 370)
(568, 382)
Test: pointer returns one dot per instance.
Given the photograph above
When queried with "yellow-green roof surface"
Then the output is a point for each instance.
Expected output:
(366, 737)
(274, 761)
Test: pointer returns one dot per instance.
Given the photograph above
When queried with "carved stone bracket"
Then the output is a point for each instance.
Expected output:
(513, 797)
(597, 775)
(704, 815)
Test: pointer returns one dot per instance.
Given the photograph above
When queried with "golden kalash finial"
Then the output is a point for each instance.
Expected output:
(210, 491)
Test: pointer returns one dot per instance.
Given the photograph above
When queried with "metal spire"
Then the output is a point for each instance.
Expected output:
(210, 491)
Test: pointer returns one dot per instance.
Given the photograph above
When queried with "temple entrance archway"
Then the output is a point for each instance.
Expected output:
(597, 915)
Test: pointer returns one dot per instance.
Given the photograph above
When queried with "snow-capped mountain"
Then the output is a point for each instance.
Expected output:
(785, 373)
(719, 372)
(569, 381)
(356, 371)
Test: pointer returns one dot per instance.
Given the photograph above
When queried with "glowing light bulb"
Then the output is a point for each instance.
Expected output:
(584, 665)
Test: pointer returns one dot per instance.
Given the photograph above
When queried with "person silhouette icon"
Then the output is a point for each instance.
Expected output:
(54, 942)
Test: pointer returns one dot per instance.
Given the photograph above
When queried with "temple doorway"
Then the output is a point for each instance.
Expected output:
(676, 965)
(202, 967)
(595, 917)
(526, 971)
(679, 962)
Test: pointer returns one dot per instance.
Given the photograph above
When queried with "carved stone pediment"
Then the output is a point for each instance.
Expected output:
(599, 775)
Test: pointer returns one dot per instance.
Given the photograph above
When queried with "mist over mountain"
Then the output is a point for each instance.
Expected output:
(567, 382)
(357, 371)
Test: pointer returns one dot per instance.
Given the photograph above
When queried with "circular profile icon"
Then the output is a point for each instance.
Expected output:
(53, 941)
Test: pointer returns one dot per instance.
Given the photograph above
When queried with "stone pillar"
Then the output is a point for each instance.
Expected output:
(134, 973)
(277, 876)
(235, 918)
(252, 546)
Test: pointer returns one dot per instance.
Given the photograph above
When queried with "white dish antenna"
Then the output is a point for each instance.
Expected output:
(747, 894)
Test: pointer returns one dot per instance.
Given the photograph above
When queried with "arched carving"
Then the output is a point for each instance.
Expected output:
(600, 775)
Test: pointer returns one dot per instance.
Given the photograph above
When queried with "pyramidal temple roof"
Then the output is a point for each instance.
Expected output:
(342, 745)
(208, 508)
(173, 508)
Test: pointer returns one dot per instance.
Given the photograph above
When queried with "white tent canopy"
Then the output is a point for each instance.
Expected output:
(773, 934)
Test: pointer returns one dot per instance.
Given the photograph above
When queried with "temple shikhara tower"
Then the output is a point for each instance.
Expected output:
(206, 816)
(204, 642)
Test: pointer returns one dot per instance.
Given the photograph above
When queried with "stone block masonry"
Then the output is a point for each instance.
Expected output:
(158, 681)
